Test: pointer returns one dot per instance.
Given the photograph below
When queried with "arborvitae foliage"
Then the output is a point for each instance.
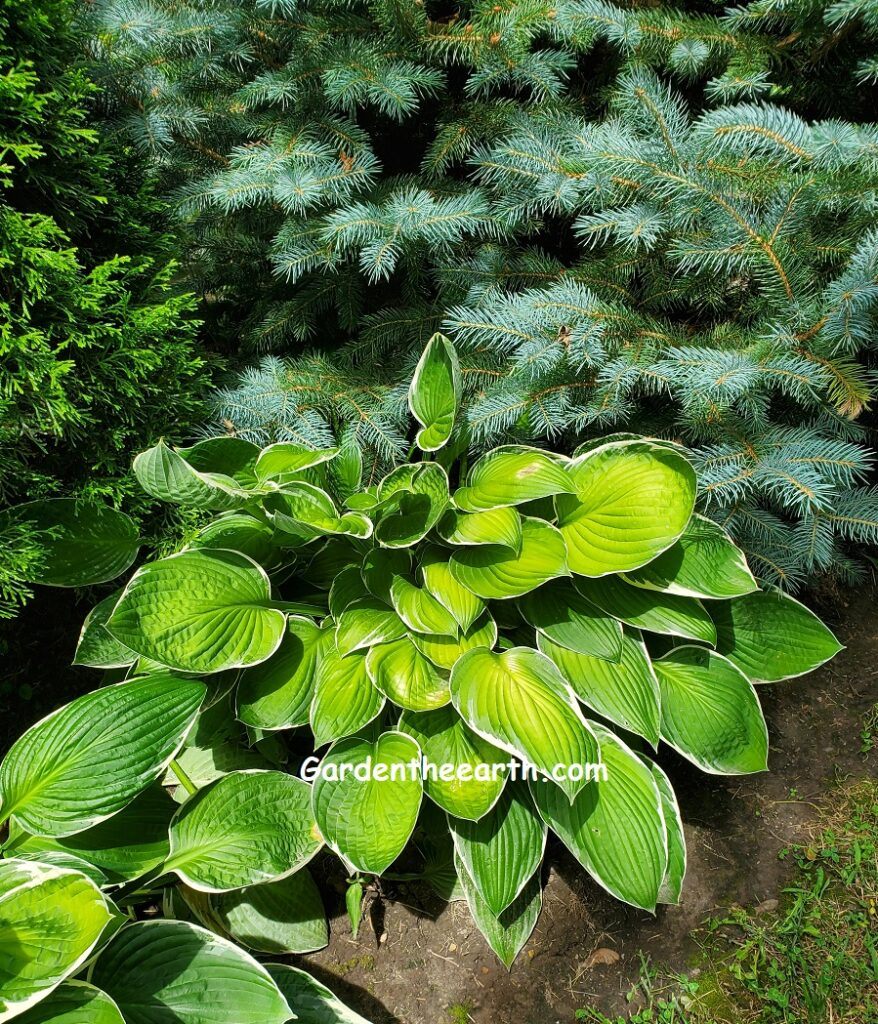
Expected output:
(97, 352)
(641, 216)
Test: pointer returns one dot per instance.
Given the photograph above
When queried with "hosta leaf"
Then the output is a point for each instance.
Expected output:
(438, 580)
(87, 760)
(365, 623)
(419, 610)
(307, 512)
(519, 701)
(239, 531)
(444, 651)
(770, 636)
(649, 609)
(368, 822)
(74, 1002)
(346, 588)
(229, 456)
(97, 647)
(506, 933)
(503, 849)
(345, 698)
(614, 827)
(559, 612)
(247, 827)
(415, 496)
(169, 476)
(512, 475)
(705, 562)
(312, 1002)
(200, 611)
(710, 712)
(672, 883)
(174, 972)
(328, 561)
(124, 846)
(434, 393)
(381, 566)
(286, 916)
(494, 573)
(283, 461)
(494, 526)
(51, 918)
(445, 739)
(406, 676)
(625, 692)
(277, 693)
(82, 542)
(632, 502)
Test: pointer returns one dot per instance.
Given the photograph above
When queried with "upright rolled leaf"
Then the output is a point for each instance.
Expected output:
(413, 499)
(86, 761)
(434, 393)
(513, 475)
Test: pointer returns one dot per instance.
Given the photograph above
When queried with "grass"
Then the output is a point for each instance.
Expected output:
(813, 961)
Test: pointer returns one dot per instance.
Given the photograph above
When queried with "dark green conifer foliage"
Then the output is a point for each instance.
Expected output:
(650, 216)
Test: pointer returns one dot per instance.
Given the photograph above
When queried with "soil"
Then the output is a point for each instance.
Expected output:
(433, 966)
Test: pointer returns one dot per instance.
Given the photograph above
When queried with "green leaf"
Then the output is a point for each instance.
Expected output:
(346, 588)
(494, 526)
(380, 568)
(74, 1002)
(506, 933)
(82, 542)
(438, 580)
(97, 647)
(200, 611)
(239, 531)
(494, 572)
(710, 712)
(277, 693)
(246, 828)
(312, 1002)
(626, 692)
(614, 827)
(51, 919)
(282, 462)
(770, 636)
(414, 498)
(519, 701)
(672, 883)
(87, 760)
(561, 614)
(704, 562)
(445, 739)
(649, 609)
(444, 651)
(345, 699)
(286, 916)
(368, 821)
(174, 972)
(512, 475)
(354, 900)
(307, 512)
(365, 623)
(169, 476)
(632, 502)
(419, 610)
(503, 849)
(228, 456)
(406, 676)
(434, 393)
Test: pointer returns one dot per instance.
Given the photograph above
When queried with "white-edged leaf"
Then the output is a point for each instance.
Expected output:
(512, 475)
(434, 393)
(345, 698)
(406, 676)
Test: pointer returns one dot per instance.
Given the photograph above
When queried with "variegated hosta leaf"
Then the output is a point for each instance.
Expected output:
(246, 828)
(413, 499)
(283, 462)
(444, 651)
(307, 512)
(346, 588)
(615, 827)
(200, 611)
(159, 972)
(419, 610)
(439, 581)
(380, 568)
(704, 562)
(520, 701)
(506, 933)
(434, 393)
(277, 693)
(710, 712)
(649, 609)
(494, 573)
(512, 475)
(770, 636)
(240, 531)
(672, 883)
(345, 698)
(367, 622)
(626, 692)
(224, 455)
(170, 476)
(560, 613)
(51, 919)
(503, 849)
(74, 1002)
(494, 526)
(312, 1002)
(445, 739)
(97, 647)
(633, 500)
(368, 821)
(82, 542)
(86, 761)
(406, 676)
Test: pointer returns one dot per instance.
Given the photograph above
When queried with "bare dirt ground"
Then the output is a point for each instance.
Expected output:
(434, 967)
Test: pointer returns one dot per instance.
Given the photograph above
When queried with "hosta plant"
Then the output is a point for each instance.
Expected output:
(496, 620)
